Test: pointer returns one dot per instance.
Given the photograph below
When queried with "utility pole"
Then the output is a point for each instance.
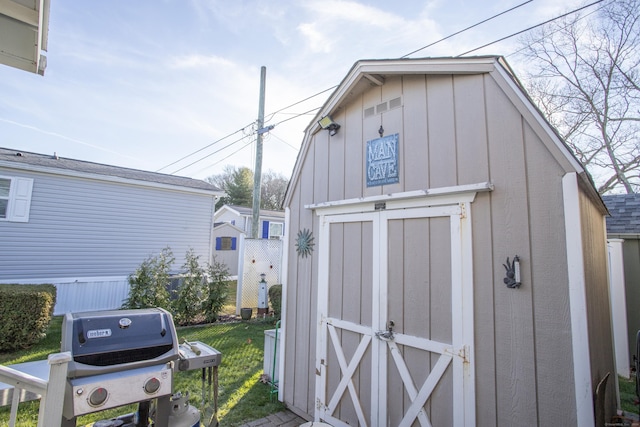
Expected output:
(257, 173)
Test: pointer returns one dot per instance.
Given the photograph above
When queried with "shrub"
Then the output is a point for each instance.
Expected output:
(189, 299)
(215, 290)
(275, 298)
(148, 285)
(25, 311)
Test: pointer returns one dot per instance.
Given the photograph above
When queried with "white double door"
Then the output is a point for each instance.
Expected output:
(395, 313)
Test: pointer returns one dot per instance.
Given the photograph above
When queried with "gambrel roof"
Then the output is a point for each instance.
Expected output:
(367, 73)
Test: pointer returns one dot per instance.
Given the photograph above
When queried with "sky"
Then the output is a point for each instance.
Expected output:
(145, 84)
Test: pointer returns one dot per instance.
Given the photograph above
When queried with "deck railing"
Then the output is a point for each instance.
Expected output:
(51, 391)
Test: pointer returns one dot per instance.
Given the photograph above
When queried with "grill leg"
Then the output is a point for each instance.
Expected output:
(163, 410)
(143, 413)
(68, 423)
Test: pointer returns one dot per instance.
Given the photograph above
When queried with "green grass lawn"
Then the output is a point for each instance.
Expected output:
(628, 394)
(242, 396)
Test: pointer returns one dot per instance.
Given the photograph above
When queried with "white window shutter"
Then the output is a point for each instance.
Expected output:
(20, 199)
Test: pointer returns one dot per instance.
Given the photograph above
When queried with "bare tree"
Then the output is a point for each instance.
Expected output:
(273, 187)
(582, 71)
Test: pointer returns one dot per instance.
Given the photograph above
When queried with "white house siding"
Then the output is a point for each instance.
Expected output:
(83, 227)
(230, 217)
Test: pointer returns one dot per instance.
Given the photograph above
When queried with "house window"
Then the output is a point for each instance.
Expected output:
(15, 198)
(275, 230)
(272, 230)
(226, 243)
(5, 185)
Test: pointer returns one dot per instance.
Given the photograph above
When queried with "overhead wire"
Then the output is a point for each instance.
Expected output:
(466, 29)
(531, 28)
(209, 155)
(272, 115)
(300, 102)
(553, 32)
(245, 127)
(233, 143)
(201, 149)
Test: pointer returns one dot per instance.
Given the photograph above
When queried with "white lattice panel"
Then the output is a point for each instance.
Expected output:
(260, 256)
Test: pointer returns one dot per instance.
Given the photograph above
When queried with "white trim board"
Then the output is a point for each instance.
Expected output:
(577, 301)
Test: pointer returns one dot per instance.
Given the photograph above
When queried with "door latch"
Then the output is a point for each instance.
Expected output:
(388, 334)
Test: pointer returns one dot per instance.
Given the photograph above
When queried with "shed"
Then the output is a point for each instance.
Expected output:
(417, 185)
(227, 238)
(85, 227)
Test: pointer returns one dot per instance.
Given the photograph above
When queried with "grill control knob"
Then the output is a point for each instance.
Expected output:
(152, 385)
(98, 396)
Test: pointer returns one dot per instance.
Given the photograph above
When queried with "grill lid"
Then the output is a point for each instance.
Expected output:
(116, 340)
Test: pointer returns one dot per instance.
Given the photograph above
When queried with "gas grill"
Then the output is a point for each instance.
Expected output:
(118, 357)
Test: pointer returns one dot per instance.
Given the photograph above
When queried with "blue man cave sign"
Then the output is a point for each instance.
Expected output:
(382, 161)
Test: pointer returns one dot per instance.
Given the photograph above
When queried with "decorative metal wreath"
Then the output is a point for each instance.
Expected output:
(304, 243)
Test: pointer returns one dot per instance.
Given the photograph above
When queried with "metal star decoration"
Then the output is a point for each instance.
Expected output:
(304, 243)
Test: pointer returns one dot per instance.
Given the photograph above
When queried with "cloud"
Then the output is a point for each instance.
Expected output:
(317, 41)
(354, 12)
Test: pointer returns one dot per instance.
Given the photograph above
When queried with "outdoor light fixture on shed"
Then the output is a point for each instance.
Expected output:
(327, 123)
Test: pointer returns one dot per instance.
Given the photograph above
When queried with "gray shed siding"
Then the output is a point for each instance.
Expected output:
(82, 227)
(597, 277)
(455, 130)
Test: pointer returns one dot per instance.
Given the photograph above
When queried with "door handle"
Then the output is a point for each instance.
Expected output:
(388, 334)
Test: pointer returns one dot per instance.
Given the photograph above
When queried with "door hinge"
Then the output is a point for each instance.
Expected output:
(463, 210)
(462, 352)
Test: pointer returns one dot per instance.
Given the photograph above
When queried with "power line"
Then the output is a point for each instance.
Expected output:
(271, 115)
(201, 149)
(242, 129)
(297, 115)
(333, 87)
(283, 141)
(531, 28)
(229, 145)
(465, 29)
(248, 144)
(303, 100)
(553, 32)
(208, 155)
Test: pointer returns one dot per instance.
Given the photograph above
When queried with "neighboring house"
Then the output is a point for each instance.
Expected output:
(403, 301)
(271, 222)
(623, 232)
(244, 258)
(24, 33)
(85, 227)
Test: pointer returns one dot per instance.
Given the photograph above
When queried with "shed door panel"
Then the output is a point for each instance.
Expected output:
(350, 300)
(397, 266)
(419, 304)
